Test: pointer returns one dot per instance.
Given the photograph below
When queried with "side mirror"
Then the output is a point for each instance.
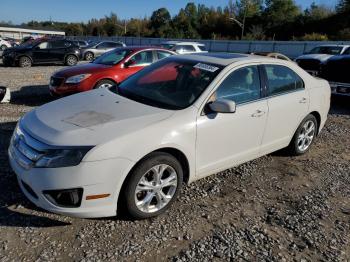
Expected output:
(223, 106)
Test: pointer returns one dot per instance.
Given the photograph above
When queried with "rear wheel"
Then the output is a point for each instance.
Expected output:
(304, 136)
(25, 61)
(153, 185)
(105, 83)
(71, 60)
(89, 56)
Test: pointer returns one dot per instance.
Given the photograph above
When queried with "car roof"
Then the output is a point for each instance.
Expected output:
(138, 48)
(332, 45)
(182, 43)
(225, 59)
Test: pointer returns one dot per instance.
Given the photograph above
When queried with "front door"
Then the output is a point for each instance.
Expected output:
(226, 140)
(41, 53)
(136, 63)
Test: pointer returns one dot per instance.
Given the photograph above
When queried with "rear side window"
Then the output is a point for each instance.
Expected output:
(112, 44)
(281, 79)
(347, 51)
(163, 54)
(202, 48)
(188, 48)
(58, 44)
(241, 86)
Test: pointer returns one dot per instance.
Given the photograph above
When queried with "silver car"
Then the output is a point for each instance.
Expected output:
(99, 48)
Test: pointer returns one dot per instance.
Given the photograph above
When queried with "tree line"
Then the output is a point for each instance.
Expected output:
(239, 19)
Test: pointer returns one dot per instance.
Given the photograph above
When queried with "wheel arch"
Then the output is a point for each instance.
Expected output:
(317, 115)
(24, 55)
(65, 57)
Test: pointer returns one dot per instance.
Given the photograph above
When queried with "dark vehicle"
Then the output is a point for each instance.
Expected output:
(311, 61)
(336, 71)
(42, 52)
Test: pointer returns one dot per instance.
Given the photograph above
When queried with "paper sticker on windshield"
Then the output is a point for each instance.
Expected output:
(206, 67)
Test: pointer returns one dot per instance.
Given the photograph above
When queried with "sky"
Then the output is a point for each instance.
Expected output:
(19, 11)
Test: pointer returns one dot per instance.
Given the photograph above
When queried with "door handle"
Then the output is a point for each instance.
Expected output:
(303, 100)
(258, 113)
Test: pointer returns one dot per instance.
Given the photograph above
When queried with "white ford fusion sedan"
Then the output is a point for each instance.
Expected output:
(131, 147)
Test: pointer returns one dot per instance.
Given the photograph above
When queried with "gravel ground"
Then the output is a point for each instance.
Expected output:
(276, 208)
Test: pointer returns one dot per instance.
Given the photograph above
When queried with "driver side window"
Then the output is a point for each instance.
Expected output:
(142, 58)
(241, 86)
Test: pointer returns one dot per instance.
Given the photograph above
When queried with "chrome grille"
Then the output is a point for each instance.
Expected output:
(24, 149)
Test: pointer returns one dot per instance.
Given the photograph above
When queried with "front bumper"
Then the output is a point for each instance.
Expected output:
(8, 60)
(94, 178)
(342, 89)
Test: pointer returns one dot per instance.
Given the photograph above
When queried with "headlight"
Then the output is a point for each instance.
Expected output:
(77, 79)
(62, 157)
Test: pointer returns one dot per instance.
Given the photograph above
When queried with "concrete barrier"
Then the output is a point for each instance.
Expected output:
(291, 49)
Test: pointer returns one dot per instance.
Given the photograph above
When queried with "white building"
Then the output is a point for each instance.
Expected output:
(18, 33)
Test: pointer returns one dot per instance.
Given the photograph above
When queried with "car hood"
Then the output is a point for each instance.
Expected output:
(89, 118)
(81, 69)
(320, 57)
(340, 58)
(17, 49)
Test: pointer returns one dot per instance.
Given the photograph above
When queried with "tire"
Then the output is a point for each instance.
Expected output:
(25, 61)
(89, 56)
(71, 60)
(104, 83)
(304, 136)
(157, 199)
(3, 47)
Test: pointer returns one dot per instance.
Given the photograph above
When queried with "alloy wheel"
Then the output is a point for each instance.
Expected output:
(306, 135)
(156, 188)
(105, 85)
(71, 60)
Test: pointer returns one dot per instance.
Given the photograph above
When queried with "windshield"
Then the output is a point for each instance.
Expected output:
(112, 57)
(172, 83)
(327, 50)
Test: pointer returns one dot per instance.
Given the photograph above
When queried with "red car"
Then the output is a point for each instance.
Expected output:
(105, 71)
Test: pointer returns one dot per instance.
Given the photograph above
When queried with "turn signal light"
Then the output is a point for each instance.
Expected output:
(92, 197)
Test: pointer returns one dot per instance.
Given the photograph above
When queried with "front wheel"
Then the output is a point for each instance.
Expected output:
(105, 83)
(25, 61)
(304, 136)
(89, 56)
(153, 185)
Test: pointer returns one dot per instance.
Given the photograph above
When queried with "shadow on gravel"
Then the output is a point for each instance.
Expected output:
(11, 198)
(340, 105)
(35, 95)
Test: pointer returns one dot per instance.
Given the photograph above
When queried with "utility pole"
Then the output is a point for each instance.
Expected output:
(239, 23)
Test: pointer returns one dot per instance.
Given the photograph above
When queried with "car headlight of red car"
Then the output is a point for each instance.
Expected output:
(77, 79)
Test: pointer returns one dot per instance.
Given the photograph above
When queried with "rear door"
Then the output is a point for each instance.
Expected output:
(288, 103)
(58, 50)
(101, 48)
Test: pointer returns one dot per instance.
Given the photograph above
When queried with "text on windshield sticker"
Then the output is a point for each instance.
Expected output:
(206, 67)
